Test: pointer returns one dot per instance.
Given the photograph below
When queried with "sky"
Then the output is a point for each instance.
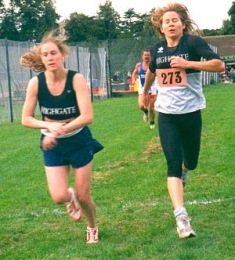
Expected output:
(208, 14)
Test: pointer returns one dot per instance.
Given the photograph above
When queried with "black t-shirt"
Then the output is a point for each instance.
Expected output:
(190, 47)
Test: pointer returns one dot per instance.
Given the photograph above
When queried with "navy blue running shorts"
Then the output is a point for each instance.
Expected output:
(77, 150)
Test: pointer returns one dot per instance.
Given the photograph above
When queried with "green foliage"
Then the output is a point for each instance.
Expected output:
(134, 212)
(77, 27)
(26, 20)
(9, 26)
(229, 24)
(231, 12)
(227, 28)
(108, 20)
(108, 25)
(134, 25)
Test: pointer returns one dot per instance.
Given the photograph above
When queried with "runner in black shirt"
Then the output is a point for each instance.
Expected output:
(177, 62)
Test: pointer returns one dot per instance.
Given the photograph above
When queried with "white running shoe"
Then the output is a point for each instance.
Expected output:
(184, 228)
(152, 126)
(92, 235)
(73, 210)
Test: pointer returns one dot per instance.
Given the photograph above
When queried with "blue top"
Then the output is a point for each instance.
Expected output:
(142, 74)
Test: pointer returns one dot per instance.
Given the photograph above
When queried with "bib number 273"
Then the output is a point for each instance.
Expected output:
(171, 77)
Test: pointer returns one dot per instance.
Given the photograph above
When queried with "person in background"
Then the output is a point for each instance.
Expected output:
(177, 62)
(66, 140)
(139, 73)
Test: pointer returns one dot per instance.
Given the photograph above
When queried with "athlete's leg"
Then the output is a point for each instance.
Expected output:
(152, 99)
(83, 190)
(57, 180)
(171, 143)
(191, 139)
(143, 108)
(170, 135)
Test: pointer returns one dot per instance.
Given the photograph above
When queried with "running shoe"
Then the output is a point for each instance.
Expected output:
(152, 126)
(92, 235)
(73, 210)
(184, 228)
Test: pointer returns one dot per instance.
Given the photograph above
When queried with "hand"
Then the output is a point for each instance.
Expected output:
(48, 142)
(56, 129)
(144, 100)
(178, 62)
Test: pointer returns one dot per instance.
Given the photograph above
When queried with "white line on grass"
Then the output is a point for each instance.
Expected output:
(194, 202)
(128, 205)
(206, 202)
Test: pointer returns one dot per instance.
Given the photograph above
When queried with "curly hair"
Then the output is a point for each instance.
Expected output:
(157, 18)
(32, 58)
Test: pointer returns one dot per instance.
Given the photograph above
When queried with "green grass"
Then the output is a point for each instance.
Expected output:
(134, 212)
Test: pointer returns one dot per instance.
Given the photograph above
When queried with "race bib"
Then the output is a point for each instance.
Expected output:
(171, 77)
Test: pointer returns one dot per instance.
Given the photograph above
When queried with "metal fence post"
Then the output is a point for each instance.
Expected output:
(9, 80)
(91, 83)
(77, 52)
(109, 68)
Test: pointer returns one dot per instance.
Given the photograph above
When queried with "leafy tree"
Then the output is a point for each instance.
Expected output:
(2, 9)
(231, 13)
(128, 22)
(136, 25)
(108, 21)
(148, 30)
(212, 32)
(8, 27)
(28, 19)
(35, 17)
(229, 24)
(227, 28)
(80, 28)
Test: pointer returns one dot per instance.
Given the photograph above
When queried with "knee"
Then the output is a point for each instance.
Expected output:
(83, 198)
(141, 106)
(174, 169)
(191, 166)
(60, 198)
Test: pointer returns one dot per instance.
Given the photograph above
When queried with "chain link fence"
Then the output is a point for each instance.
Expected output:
(106, 69)
(14, 78)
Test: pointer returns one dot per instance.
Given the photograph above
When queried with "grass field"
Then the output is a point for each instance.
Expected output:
(134, 212)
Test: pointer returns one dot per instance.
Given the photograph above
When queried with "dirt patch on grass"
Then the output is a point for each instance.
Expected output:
(153, 146)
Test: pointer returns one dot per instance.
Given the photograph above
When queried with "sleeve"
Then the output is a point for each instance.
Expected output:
(202, 48)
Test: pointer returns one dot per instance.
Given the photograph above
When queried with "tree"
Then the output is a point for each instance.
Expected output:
(211, 32)
(231, 13)
(135, 25)
(8, 27)
(226, 28)
(2, 10)
(35, 17)
(26, 20)
(128, 22)
(229, 24)
(80, 28)
(108, 21)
